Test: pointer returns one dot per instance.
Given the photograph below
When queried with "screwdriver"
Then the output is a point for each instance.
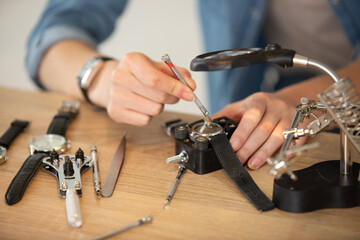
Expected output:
(167, 60)
(171, 193)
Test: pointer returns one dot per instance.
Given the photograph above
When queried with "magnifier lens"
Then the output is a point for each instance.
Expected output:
(231, 53)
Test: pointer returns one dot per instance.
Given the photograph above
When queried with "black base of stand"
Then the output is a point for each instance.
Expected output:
(319, 186)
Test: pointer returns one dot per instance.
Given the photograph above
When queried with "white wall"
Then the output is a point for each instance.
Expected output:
(153, 27)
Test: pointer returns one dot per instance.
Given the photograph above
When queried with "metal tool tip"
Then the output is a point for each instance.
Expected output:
(165, 57)
(166, 203)
(147, 219)
(93, 147)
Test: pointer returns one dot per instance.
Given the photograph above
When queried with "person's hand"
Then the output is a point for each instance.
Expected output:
(139, 88)
(262, 118)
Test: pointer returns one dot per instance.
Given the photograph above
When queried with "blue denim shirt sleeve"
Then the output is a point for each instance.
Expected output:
(229, 24)
(90, 21)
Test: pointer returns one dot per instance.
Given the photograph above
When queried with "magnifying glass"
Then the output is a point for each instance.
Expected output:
(234, 58)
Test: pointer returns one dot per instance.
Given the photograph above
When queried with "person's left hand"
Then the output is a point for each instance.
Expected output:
(262, 118)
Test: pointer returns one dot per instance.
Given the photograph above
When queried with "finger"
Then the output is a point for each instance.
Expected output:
(233, 111)
(123, 78)
(132, 101)
(269, 147)
(247, 125)
(144, 70)
(123, 115)
(183, 72)
(258, 137)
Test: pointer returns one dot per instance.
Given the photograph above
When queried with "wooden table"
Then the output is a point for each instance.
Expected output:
(204, 206)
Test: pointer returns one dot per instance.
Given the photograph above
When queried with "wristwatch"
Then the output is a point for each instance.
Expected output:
(9, 136)
(88, 72)
(208, 148)
(40, 147)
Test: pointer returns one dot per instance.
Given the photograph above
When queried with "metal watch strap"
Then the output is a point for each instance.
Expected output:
(238, 174)
(88, 72)
(15, 129)
(18, 186)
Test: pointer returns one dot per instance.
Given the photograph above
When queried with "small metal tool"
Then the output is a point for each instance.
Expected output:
(173, 188)
(67, 169)
(115, 168)
(142, 221)
(96, 172)
(167, 60)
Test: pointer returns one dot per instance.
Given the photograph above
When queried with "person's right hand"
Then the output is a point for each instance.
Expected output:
(136, 88)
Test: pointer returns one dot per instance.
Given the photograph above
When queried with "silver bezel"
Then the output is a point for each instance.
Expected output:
(49, 142)
(3, 156)
(213, 129)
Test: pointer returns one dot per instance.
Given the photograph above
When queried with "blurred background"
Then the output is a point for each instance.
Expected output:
(152, 27)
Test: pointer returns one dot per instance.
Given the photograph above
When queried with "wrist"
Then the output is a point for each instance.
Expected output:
(99, 90)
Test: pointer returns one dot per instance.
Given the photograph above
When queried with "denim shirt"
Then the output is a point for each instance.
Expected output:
(227, 24)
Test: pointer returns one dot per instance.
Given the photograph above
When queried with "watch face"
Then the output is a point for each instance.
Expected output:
(205, 129)
(2, 154)
(47, 143)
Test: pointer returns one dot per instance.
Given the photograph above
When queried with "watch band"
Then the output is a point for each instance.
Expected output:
(17, 187)
(15, 129)
(238, 174)
(60, 122)
(88, 72)
(21, 180)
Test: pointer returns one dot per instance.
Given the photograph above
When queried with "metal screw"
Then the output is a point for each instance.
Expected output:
(64, 186)
(304, 100)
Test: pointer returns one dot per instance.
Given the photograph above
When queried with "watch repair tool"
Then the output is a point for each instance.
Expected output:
(40, 147)
(96, 171)
(67, 169)
(140, 222)
(167, 60)
(329, 184)
(115, 168)
(208, 150)
(9, 136)
(173, 188)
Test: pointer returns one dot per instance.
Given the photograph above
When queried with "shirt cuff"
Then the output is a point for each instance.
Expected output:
(45, 40)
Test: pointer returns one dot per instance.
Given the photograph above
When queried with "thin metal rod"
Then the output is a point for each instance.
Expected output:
(173, 188)
(167, 60)
(145, 219)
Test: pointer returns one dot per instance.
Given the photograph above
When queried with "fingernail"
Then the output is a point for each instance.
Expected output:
(188, 95)
(254, 163)
(235, 143)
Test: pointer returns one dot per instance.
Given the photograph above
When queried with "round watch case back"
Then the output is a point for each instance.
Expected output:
(209, 131)
(49, 142)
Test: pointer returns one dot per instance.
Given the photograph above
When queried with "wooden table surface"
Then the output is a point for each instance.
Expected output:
(204, 206)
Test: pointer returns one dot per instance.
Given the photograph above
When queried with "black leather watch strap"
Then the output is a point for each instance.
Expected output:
(15, 129)
(60, 123)
(238, 174)
(22, 179)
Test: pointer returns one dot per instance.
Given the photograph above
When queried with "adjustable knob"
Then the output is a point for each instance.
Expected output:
(181, 157)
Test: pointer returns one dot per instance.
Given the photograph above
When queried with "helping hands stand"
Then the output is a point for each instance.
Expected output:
(329, 184)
